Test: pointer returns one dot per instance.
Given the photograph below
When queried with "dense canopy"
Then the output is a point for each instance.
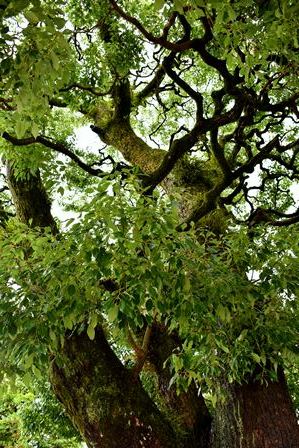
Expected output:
(151, 272)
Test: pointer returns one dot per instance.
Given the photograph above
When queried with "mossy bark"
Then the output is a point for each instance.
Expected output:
(109, 406)
(30, 199)
(189, 407)
(104, 400)
(256, 415)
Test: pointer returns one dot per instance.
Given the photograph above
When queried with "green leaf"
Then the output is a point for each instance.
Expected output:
(28, 361)
(256, 357)
(31, 17)
(159, 4)
(187, 284)
(21, 128)
(221, 345)
(53, 338)
(91, 332)
(149, 305)
(54, 60)
(68, 322)
(27, 379)
(59, 22)
(37, 372)
(112, 313)
(34, 130)
(12, 329)
(223, 313)
(92, 325)
(93, 320)
(178, 5)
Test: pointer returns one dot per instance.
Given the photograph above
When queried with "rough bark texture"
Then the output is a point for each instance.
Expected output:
(255, 428)
(104, 400)
(30, 200)
(106, 403)
(256, 416)
(111, 409)
(189, 406)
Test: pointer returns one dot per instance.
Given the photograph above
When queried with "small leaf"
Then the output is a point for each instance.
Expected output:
(29, 361)
(54, 60)
(59, 22)
(186, 285)
(112, 313)
(149, 305)
(93, 320)
(159, 4)
(34, 130)
(53, 337)
(36, 372)
(90, 332)
(21, 128)
(68, 322)
(31, 17)
(256, 357)
(27, 379)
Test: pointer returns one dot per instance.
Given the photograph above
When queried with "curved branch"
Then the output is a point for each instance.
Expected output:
(87, 88)
(56, 146)
(286, 222)
(249, 166)
(149, 36)
(177, 149)
(263, 216)
(196, 96)
(197, 44)
(152, 86)
(208, 204)
(219, 154)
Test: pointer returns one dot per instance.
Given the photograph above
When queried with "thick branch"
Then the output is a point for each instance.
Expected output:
(218, 152)
(208, 204)
(196, 96)
(197, 44)
(249, 166)
(177, 149)
(152, 86)
(86, 88)
(110, 409)
(31, 200)
(56, 146)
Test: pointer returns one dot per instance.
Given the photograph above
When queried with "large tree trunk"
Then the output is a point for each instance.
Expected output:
(188, 406)
(256, 416)
(30, 200)
(104, 400)
(110, 407)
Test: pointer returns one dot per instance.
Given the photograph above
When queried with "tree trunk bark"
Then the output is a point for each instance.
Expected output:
(256, 416)
(104, 400)
(110, 407)
(31, 200)
(189, 407)
(106, 403)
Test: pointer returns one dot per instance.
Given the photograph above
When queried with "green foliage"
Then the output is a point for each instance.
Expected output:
(39, 64)
(120, 261)
(202, 290)
(31, 416)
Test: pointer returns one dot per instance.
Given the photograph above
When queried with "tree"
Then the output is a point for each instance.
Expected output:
(33, 417)
(165, 310)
